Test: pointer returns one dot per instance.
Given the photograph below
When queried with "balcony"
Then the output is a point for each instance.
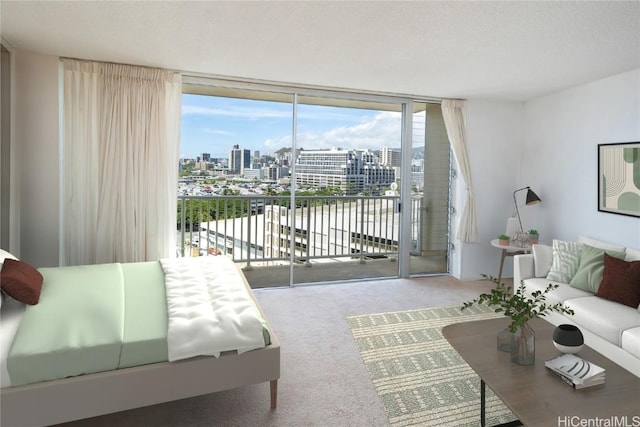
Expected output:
(330, 237)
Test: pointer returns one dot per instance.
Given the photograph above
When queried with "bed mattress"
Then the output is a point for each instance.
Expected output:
(84, 323)
(10, 316)
(119, 319)
(145, 322)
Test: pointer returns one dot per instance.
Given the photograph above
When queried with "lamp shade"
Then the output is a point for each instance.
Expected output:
(532, 198)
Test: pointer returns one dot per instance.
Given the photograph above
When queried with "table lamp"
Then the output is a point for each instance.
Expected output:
(532, 199)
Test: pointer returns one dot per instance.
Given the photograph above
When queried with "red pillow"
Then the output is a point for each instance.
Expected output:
(21, 281)
(620, 281)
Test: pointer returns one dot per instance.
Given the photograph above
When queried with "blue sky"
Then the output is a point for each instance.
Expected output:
(214, 124)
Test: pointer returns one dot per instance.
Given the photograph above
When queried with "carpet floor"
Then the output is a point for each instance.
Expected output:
(324, 382)
(420, 379)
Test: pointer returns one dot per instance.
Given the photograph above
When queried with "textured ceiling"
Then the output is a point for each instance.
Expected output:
(500, 50)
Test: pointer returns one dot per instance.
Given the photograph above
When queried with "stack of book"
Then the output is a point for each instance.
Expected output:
(575, 371)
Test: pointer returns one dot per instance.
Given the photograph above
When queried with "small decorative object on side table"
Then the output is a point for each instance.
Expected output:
(568, 338)
(534, 237)
(504, 240)
(520, 308)
(520, 239)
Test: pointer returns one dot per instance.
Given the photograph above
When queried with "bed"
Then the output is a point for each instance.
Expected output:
(144, 376)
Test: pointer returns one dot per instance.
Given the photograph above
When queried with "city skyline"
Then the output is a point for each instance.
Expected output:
(214, 124)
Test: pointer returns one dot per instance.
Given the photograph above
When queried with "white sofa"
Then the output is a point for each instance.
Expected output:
(611, 328)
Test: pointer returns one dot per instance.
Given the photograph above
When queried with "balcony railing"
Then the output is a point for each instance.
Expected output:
(267, 229)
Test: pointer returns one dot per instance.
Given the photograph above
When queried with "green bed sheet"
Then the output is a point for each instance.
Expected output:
(119, 320)
(49, 344)
(91, 319)
(145, 321)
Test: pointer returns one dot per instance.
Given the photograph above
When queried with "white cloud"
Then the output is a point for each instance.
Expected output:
(252, 113)
(255, 112)
(381, 130)
(217, 132)
(276, 143)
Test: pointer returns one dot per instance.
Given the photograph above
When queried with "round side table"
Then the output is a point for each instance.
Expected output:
(508, 250)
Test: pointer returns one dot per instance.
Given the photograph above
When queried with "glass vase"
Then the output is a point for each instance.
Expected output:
(523, 345)
(504, 340)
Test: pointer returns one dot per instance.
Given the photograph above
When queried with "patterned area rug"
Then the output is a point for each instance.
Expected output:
(419, 377)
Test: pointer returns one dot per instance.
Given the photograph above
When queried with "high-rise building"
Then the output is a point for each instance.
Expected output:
(390, 157)
(239, 159)
(353, 171)
(274, 172)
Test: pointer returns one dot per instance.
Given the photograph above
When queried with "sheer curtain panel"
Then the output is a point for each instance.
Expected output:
(452, 112)
(120, 162)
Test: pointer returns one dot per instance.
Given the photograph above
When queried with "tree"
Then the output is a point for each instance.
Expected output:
(187, 168)
(199, 210)
(195, 212)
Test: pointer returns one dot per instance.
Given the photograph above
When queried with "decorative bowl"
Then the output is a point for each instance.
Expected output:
(568, 339)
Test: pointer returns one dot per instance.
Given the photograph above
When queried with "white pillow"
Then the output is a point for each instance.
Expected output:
(632, 255)
(600, 244)
(566, 259)
(542, 258)
(4, 254)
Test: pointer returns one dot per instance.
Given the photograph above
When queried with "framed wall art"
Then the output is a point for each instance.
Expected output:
(619, 178)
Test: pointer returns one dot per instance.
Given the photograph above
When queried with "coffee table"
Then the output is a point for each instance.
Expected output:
(535, 395)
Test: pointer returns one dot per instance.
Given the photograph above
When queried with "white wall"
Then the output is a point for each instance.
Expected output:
(35, 141)
(559, 157)
(494, 130)
(549, 143)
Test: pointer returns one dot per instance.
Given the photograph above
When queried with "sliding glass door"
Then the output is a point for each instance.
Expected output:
(305, 186)
(430, 189)
(346, 177)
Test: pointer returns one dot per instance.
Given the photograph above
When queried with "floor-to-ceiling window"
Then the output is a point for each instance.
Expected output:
(304, 186)
(346, 173)
(430, 185)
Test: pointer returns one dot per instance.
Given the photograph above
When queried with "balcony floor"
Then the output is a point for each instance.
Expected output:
(273, 276)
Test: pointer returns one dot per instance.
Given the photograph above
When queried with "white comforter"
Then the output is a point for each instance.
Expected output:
(209, 309)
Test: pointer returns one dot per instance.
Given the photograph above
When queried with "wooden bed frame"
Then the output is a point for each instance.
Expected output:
(86, 396)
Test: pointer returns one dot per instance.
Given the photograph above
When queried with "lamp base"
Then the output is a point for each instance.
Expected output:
(512, 227)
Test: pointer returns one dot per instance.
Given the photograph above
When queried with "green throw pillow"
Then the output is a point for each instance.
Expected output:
(591, 267)
(565, 261)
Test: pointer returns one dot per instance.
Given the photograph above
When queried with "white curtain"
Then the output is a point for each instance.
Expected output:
(120, 162)
(453, 114)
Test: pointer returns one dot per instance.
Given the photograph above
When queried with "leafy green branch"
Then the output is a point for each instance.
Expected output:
(518, 306)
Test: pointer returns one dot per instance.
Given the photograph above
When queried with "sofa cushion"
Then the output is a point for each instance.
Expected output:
(604, 318)
(542, 259)
(621, 281)
(561, 294)
(591, 267)
(600, 244)
(566, 258)
(631, 341)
